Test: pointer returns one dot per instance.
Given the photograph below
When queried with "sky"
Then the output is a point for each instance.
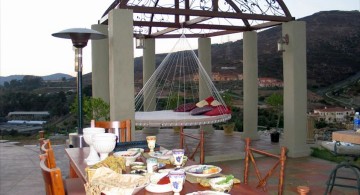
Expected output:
(28, 48)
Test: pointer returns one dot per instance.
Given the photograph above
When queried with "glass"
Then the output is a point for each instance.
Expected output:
(151, 141)
(177, 178)
(151, 165)
(178, 155)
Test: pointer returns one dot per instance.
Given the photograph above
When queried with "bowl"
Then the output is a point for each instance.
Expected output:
(104, 143)
(155, 187)
(223, 187)
(130, 156)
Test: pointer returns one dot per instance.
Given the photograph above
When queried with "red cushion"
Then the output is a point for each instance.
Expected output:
(202, 110)
(210, 99)
(218, 110)
(185, 107)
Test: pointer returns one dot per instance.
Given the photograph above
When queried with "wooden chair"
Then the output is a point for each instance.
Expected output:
(200, 145)
(122, 129)
(54, 183)
(249, 156)
(47, 149)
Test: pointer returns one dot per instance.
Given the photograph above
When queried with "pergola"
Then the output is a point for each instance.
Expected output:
(148, 20)
(160, 18)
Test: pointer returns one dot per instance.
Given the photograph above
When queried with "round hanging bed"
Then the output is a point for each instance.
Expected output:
(169, 118)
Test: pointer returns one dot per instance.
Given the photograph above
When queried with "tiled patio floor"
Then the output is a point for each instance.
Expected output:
(20, 174)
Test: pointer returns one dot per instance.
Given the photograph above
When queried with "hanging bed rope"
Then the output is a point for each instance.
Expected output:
(171, 95)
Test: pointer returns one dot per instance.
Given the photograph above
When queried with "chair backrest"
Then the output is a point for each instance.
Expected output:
(200, 145)
(47, 149)
(122, 129)
(52, 178)
(262, 181)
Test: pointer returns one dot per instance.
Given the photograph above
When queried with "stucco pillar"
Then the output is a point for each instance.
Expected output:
(295, 89)
(250, 83)
(100, 64)
(148, 70)
(204, 51)
(121, 66)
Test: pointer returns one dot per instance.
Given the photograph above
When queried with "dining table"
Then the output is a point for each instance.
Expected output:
(77, 169)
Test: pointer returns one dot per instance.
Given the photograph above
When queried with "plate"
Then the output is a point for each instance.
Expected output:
(197, 170)
(207, 192)
(165, 170)
(158, 188)
(164, 154)
(136, 149)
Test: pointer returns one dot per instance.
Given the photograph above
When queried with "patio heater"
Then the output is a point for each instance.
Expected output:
(79, 38)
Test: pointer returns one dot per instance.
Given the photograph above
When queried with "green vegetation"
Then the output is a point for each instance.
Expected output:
(325, 154)
(276, 100)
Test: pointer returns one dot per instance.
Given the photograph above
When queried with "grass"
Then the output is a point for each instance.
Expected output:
(325, 154)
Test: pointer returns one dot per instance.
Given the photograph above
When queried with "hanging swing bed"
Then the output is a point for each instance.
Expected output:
(170, 98)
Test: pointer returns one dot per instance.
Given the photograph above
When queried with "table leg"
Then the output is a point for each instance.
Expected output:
(72, 172)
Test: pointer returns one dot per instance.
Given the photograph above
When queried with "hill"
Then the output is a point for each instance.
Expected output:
(333, 47)
(57, 76)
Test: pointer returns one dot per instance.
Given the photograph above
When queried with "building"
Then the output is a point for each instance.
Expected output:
(270, 82)
(28, 115)
(335, 114)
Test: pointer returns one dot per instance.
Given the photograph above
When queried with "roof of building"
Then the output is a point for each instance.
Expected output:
(333, 109)
(29, 113)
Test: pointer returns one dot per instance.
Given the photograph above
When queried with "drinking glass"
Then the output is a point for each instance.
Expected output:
(151, 141)
(178, 155)
(177, 178)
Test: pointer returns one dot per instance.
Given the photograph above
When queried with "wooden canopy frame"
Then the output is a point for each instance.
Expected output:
(161, 18)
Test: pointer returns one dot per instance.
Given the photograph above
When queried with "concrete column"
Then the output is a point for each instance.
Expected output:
(250, 72)
(121, 66)
(295, 89)
(148, 70)
(100, 64)
(204, 51)
(149, 92)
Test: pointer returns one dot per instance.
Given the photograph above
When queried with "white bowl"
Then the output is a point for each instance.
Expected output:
(104, 143)
(88, 132)
(93, 156)
(158, 188)
(130, 156)
(224, 187)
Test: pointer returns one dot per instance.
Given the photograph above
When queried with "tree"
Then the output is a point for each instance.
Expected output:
(276, 100)
(93, 108)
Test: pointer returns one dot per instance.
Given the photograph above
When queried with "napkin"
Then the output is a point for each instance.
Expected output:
(109, 182)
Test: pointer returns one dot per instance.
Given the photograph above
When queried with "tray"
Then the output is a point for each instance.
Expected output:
(123, 146)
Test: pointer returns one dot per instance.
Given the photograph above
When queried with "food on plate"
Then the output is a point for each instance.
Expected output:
(210, 170)
(222, 184)
(164, 180)
(225, 180)
(116, 164)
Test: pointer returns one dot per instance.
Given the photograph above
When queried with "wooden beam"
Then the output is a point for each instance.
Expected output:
(172, 11)
(237, 9)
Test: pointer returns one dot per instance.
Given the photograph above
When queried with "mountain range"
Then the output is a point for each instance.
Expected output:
(333, 48)
(57, 76)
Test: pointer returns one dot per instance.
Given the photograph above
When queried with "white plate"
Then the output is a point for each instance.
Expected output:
(156, 188)
(196, 170)
(207, 192)
(165, 170)
(165, 154)
(136, 149)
